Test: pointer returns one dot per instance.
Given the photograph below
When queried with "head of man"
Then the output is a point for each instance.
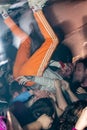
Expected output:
(71, 115)
(80, 69)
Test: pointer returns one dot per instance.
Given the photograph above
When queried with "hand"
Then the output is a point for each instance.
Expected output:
(80, 90)
(24, 79)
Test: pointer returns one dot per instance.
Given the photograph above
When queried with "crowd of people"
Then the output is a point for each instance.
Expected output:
(36, 92)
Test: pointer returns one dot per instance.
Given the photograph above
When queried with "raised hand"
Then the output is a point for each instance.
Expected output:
(80, 90)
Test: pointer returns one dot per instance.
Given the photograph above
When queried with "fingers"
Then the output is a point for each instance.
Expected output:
(18, 78)
(22, 80)
(80, 90)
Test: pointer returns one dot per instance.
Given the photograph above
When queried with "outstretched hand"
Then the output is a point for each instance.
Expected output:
(80, 90)
(24, 79)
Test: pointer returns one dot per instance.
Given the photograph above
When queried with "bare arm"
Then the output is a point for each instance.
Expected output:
(34, 125)
(59, 96)
(66, 87)
(42, 122)
(82, 121)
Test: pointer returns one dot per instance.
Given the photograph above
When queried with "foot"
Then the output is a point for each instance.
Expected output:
(36, 4)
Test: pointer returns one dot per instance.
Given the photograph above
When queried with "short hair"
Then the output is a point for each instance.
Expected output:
(71, 114)
(83, 61)
(15, 87)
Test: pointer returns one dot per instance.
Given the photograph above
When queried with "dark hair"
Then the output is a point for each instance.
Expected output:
(83, 61)
(15, 87)
(71, 115)
(45, 106)
(27, 115)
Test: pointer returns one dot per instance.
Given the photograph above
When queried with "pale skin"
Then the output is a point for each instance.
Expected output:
(62, 104)
(66, 87)
(10, 122)
(82, 121)
(80, 90)
(59, 96)
(43, 122)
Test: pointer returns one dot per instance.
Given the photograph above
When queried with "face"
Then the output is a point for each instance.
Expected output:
(79, 72)
(68, 70)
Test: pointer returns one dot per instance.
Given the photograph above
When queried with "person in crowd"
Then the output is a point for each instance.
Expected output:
(37, 105)
(81, 123)
(40, 98)
(48, 72)
(50, 83)
(78, 78)
(80, 70)
(72, 115)
(32, 115)
(25, 64)
(59, 86)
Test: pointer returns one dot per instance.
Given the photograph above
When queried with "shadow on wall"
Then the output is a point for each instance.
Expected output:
(62, 53)
(85, 26)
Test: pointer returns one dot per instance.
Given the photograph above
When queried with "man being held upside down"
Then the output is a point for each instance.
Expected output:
(36, 64)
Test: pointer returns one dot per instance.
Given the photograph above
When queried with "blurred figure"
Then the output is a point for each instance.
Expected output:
(71, 115)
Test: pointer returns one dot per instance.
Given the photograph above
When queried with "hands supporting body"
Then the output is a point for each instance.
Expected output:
(24, 79)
